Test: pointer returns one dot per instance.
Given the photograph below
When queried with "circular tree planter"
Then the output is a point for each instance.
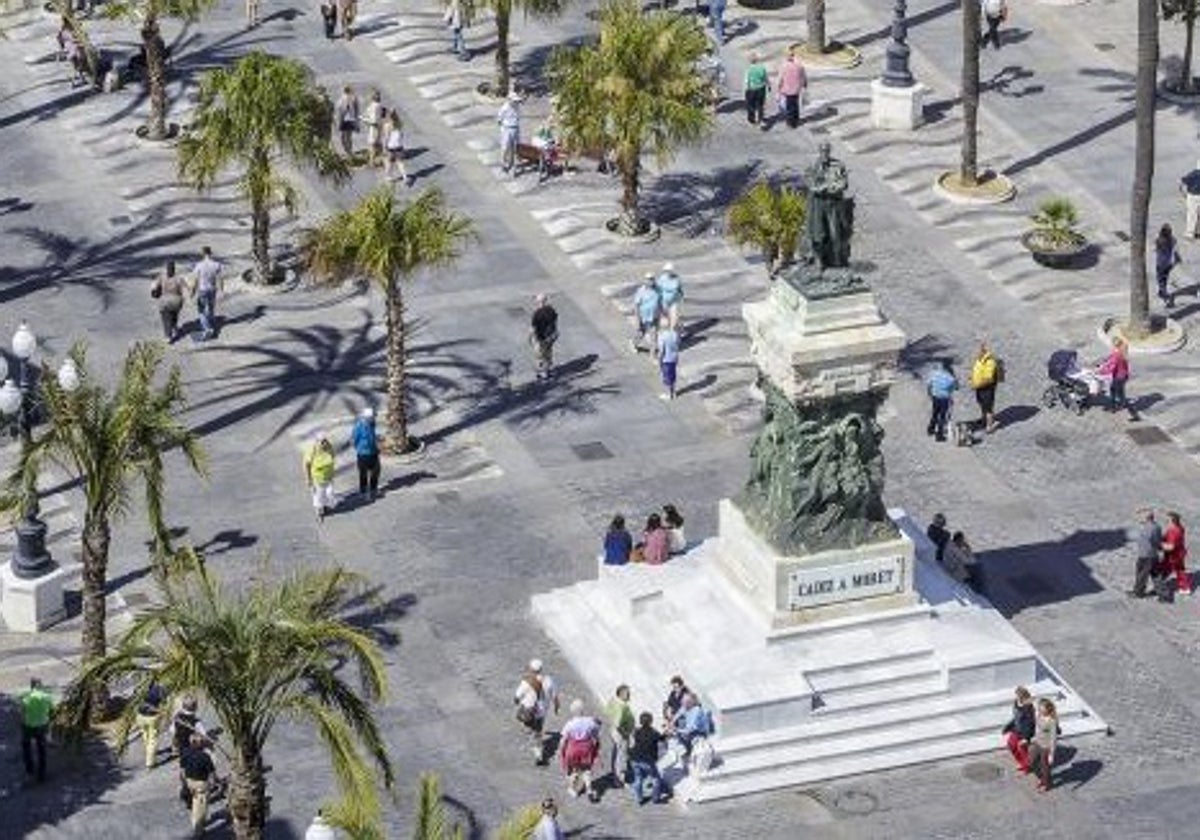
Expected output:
(644, 230)
(837, 56)
(1053, 255)
(142, 132)
(1170, 91)
(415, 451)
(1166, 335)
(990, 188)
(488, 93)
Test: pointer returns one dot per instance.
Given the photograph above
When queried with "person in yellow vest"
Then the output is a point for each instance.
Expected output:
(319, 467)
(983, 382)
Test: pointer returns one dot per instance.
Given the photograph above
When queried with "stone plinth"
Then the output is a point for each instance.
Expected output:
(32, 605)
(897, 108)
(815, 587)
(821, 348)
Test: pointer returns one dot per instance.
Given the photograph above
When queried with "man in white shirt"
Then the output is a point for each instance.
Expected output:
(206, 282)
(535, 696)
(994, 13)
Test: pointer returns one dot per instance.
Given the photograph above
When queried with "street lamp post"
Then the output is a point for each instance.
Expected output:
(895, 69)
(30, 558)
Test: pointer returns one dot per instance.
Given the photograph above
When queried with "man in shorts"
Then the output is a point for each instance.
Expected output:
(535, 696)
(984, 377)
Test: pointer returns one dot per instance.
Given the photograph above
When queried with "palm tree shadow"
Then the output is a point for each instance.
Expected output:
(371, 615)
(694, 201)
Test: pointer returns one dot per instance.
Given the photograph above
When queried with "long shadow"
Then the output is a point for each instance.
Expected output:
(911, 21)
(1033, 575)
(372, 616)
(76, 778)
(1073, 142)
(222, 542)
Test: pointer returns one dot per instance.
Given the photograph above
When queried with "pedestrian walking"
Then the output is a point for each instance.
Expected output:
(621, 723)
(543, 332)
(618, 543)
(509, 120)
(393, 133)
(185, 722)
(941, 385)
(647, 311)
(1041, 746)
(1174, 548)
(716, 19)
(939, 536)
(36, 708)
(995, 12)
(580, 747)
(1115, 368)
(347, 11)
(207, 282)
(329, 17)
(547, 827)
(985, 375)
(366, 454)
(199, 772)
(792, 85)
(252, 10)
(756, 87)
(168, 289)
(656, 542)
(372, 118)
(346, 113)
(1166, 257)
(319, 469)
(1020, 729)
(536, 696)
(668, 357)
(149, 719)
(454, 20)
(643, 760)
(670, 292)
(1148, 540)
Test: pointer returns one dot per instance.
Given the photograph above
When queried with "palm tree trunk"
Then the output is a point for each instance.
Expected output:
(96, 538)
(815, 20)
(968, 169)
(1187, 83)
(156, 78)
(631, 221)
(1143, 165)
(260, 219)
(503, 20)
(397, 409)
(247, 794)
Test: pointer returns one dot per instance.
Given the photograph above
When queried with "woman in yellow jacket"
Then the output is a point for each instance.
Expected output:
(983, 382)
(319, 467)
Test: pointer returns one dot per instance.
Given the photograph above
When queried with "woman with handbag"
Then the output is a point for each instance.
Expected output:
(168, 289)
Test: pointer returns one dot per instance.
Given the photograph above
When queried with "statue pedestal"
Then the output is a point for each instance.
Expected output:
(897, 108)
(815, 587)
(30, 605)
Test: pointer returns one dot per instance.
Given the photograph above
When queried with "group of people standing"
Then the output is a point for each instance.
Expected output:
(662, 537)
(987, 372)
(385, 132)
(1161, 556)
(636, 748)
(334, 12)
(791, 85)
(656, 305)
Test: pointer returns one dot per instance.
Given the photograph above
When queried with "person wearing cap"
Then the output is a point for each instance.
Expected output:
(535, 696)
(543, 332)
(366, 453)
(647, 309)
(670, 293)
(509, 119)
(547, 827)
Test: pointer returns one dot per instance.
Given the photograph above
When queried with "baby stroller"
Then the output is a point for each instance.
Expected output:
(1071, 386)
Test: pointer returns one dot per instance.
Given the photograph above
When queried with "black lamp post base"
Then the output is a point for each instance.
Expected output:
(30, 558)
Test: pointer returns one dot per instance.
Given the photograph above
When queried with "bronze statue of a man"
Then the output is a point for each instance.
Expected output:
(830, 219)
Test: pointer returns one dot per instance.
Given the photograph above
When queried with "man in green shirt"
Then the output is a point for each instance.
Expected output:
(36, 707)
(621, 724)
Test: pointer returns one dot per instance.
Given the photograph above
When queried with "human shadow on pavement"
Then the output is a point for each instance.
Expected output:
(77, 777)
(1022, 576)
(371, 614)
(1012, 415)
(222, 542)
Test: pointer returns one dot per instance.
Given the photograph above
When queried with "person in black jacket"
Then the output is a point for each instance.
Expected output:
(643, 760)
(1019, 731)
(938, 535)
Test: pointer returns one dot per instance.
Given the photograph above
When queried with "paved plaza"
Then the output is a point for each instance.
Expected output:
(520, 477)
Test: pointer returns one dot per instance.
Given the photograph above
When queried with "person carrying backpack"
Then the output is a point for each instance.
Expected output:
(535, 696)
(986, 373)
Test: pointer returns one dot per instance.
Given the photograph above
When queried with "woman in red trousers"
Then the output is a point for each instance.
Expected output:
(1174, 548)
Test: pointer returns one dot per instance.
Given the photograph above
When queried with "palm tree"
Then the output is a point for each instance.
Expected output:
(146, 13)
(388, 243)
(503, 10)
(637, 88)
(815, 22)
(769, 218)
(433, 823)
(1186, 11)
(1143, 164)
(968, 171)
(257, 654)
(251, 115)
(111, 442)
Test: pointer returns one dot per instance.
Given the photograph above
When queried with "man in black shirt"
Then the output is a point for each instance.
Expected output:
(643, 759)
(197, 768)
(543, 333)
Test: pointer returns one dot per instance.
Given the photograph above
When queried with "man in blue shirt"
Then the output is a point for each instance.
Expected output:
(941, 386)
(646, 308)
(670, 293)
(366, 451)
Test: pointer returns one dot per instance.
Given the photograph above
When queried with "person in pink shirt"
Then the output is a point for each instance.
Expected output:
(1115, 369)
(791, 84)
(656, 542)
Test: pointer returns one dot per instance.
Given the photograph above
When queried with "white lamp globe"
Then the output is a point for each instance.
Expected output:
(3, 369)
(24, 342)
(10, 398)
(68, 376)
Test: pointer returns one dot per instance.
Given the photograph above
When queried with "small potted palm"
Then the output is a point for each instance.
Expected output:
(769, 218)
(1055, 240)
